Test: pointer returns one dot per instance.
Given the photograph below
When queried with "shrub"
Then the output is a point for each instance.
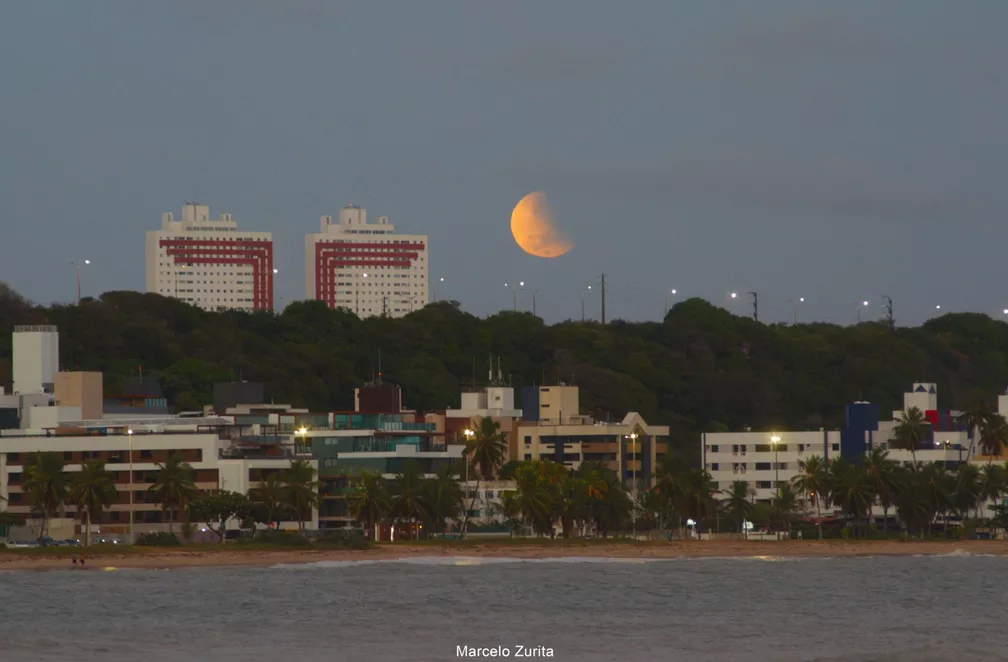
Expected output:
(344, 541)
(158, 539)
(285, 538)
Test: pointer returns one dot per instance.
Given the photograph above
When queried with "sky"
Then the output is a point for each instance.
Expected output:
(832, 151)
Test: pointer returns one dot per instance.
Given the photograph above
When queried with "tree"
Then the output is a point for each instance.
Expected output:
(884, 477)
(851, 490)
(443, 496)
(992, 483)
(217, 509)
(484, 452)
(301, 490)
(909, 431)
(993, 436)
(975, 418)
(813, 481)
(174, 487)
(785, 504)
(272, 495)
(408, 502)
(370, 501)
(92, 490)
(45, 485)
(737, 503)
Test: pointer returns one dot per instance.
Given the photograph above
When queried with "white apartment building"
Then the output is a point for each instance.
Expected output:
(366, 267)
(209, 262)
(149, 444)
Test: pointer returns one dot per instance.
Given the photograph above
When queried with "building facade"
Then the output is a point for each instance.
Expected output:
(209, 262)
(366, 267)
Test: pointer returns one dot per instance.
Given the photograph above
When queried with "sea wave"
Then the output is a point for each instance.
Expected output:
(468, 561)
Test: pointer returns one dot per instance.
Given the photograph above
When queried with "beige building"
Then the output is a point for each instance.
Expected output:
(631, 446)
(366, 267)
(209, 262)
(80, 389)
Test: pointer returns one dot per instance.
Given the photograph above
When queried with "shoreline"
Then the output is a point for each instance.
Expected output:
(229, 556)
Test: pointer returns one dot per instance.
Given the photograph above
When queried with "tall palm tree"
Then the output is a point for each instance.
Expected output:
(992, 483)
(408, 500)
(975, 419)
(370, 501)
(672, 486)
(813, 481)
(967, 489)
(272, 496)
(884, 477)
(92, 490)
(993, 436)
(301, 490)
(851, 489)
(596, 487)
(444, 497)
(45, 485)
(484, 453)
(737, 502)
(935, 490)
(785, 504)
(910, 430)
(534, 500)
(174, 488)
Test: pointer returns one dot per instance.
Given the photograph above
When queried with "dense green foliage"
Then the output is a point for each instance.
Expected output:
(158, 539)
(702, 369)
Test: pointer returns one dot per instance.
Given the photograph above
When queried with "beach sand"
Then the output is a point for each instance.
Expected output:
(229, 556)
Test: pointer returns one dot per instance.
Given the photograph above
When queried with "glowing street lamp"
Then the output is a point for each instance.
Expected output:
(633, 469)
(775, 441)
(673, 293)
(794, 303)
(514, 294)
(583, 290)
(77, 263)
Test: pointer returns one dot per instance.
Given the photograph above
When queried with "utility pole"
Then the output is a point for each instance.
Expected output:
(755, 305)
(889, 315)
(603, 299)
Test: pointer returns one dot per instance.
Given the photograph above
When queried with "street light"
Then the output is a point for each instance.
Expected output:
(77, 264)
(586, 289)
(864, 304)
(795, 303)
(775, 441)
(673, 293)
(734, 295)
(633, 469)
(357, 294)
(129, 434)
(514, 294)
(434, 287)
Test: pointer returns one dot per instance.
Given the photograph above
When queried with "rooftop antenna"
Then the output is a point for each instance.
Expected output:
(889, 315)
(755, 305)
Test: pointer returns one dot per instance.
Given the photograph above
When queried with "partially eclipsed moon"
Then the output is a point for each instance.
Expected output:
(533, 228)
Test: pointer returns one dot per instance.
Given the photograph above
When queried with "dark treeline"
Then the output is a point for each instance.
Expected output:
(701, 369)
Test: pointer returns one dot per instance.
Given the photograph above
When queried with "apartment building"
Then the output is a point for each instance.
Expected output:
(209, 262)
(365, 267)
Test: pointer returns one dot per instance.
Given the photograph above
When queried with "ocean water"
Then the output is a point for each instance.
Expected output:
(887, 609)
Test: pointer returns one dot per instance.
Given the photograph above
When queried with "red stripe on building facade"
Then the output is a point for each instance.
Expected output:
(330, 256)
(256, 253)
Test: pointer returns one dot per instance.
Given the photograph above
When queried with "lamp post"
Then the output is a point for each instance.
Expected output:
(633, 480)
(77, 264)
(775, 442)
(469, 433)
(673, 293)
(129, 434)
(434, 287)
(357, 295)
(864, 304)
(794, 303)
(514, 294)
(583, 290)
(300, 432)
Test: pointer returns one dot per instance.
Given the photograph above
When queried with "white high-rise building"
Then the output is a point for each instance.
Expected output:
(209, 262)
(366, 267)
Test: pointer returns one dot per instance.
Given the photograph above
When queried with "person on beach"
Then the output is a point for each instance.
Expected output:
(82, 560)
(75, 560)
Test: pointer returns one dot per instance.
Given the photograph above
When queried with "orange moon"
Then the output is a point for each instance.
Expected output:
(534, 230)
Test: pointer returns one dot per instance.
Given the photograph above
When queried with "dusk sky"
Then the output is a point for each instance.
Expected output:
(837, 151)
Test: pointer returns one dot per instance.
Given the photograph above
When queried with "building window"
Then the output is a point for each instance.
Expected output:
(67, 455)
(762, 448)
(714, 448)
(145, 455)
(713, 466)
(528, 439)
(763, 484)
(782, 466)
(13, 457)
(801, 448)
(836, 447)
(762, 466)
(528, 457)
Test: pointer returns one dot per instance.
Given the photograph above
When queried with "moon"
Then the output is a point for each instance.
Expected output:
(534, 230)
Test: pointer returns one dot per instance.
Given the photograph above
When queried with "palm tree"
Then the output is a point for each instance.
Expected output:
(813, 481)
(370, 501)
(272, 496)
(534, 499)
(484, 452)
(596, 487)
(301, 490)
(45, 485)
(511, 509)
(785, 504)
(993, 436)
(884, 478)
(851, 489)
(992, 483)
(443, 495)
(672, 486)
(967, 489)
(975, 419)
(92, 490)
(174, 488)
(909, 432)
(700, 502)
(935, 490)
(408, 501)
(737, 504)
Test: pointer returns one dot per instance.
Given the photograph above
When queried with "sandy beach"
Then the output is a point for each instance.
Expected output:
(229, 556)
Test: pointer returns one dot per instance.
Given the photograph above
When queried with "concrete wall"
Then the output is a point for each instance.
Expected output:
(36, 358)
(80, 389)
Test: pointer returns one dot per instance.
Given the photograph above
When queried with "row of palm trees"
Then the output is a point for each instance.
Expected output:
(49, 488)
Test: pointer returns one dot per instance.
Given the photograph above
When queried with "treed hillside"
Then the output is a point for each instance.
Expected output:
(701, 369)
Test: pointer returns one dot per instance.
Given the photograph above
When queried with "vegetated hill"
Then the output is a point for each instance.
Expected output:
(701, 369)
